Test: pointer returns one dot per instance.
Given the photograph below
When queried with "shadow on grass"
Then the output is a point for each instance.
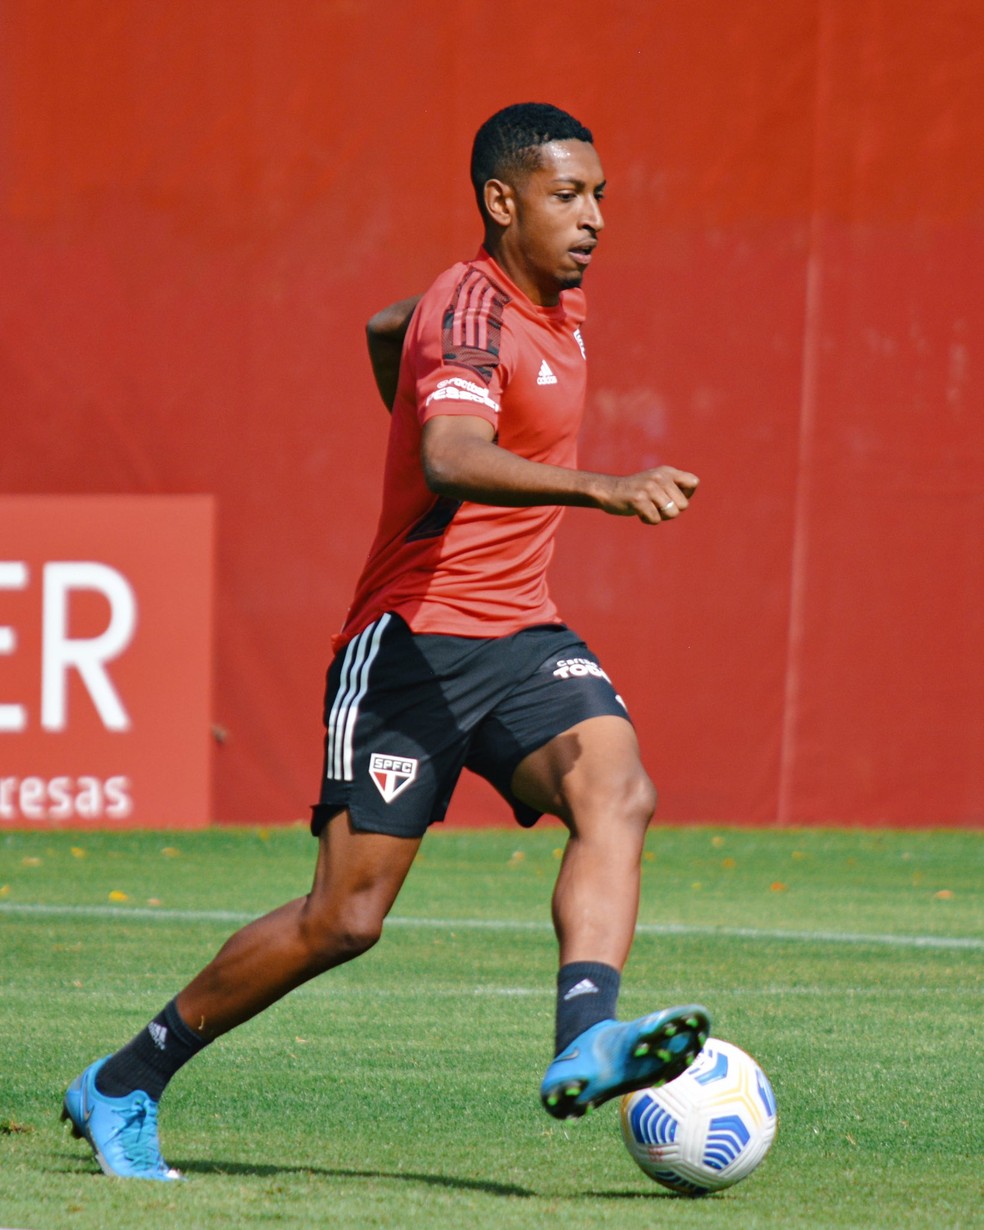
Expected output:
(259, 1170)
(657, 1193)
(449, 1182)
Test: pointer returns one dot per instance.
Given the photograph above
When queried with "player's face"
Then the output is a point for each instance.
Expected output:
(555, 221)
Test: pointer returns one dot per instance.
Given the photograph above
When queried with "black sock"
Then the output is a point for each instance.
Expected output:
(587, 993)
(150, 1060)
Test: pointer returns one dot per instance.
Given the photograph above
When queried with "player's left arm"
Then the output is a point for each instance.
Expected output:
(461, 459)
(384, 336)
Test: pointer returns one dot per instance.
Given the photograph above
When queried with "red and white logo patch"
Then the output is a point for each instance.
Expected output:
(392, 774)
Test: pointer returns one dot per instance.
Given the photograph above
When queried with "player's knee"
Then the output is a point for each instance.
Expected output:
(628, 797)
(334, 938)
(357, 935)
(623, 797)
(637, 797)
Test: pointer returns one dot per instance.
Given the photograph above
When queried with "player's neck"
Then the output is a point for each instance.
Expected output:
(517, 271)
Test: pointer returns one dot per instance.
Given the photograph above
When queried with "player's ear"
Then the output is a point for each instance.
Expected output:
(500, 202)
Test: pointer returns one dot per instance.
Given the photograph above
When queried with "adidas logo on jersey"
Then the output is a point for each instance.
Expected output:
(546, 376)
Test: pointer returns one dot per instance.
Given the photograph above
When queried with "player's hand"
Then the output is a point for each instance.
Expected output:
(651, 495)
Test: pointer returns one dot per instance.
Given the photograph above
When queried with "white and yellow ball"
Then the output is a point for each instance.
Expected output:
(707, 1129)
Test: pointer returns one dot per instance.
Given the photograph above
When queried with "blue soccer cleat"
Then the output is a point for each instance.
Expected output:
(121, 1131)
(616, 1057)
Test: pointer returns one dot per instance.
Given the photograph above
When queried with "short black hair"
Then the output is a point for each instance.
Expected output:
(509, 142)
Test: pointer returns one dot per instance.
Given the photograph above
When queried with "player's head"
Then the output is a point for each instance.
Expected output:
(539, 183)
(510, 143)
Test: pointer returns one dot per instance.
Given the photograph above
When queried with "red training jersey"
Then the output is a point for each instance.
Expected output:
(476, 345)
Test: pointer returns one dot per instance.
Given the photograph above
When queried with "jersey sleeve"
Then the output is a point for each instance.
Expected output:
(460, 348)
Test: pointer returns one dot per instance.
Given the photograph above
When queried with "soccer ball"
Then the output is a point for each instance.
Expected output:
(708, 1128)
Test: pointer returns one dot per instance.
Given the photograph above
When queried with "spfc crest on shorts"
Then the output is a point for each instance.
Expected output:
(392, 774)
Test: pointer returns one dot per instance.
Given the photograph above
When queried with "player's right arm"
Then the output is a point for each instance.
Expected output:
(460, 459)
(384, 337)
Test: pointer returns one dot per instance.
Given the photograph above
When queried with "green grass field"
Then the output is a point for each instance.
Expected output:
(401, 1090)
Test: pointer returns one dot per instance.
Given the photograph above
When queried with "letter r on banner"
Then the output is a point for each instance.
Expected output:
(89, 656)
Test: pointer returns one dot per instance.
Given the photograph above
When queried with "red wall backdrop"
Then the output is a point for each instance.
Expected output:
(201, 203)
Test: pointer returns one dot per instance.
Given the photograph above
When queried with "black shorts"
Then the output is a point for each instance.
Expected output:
(404, 713)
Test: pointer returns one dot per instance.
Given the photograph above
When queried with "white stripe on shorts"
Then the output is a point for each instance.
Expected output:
(359, 655)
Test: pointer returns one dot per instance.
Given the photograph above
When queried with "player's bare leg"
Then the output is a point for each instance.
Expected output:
(356, 881)
(113, 1103)
(592, 777)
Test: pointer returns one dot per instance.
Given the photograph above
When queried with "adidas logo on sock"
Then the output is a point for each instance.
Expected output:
(159, 1034)
(546, 376)
(584, 987)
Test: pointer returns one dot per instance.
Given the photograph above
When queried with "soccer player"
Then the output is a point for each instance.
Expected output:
(453, 655)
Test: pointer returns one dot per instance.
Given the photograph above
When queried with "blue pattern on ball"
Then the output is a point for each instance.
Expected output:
(726, 1138)
(651, 1124)
(765, 1092)
(717, 1072)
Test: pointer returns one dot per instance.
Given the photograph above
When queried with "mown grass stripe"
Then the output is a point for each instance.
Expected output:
(238, 917)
